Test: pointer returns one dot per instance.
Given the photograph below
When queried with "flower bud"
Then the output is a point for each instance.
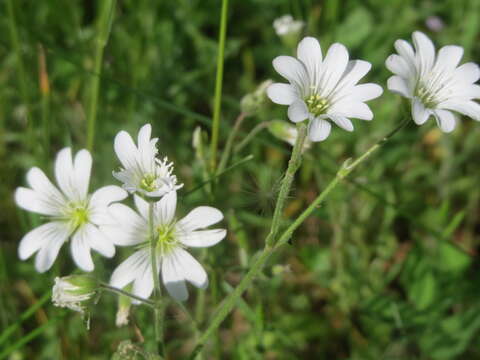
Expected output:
(286, 132)
(74, 291)
(252, 102)
(288, 29)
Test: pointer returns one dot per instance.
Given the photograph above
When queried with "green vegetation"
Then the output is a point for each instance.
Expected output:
(386, 268)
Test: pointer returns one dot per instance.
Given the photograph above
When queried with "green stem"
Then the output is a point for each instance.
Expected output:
(126, 293)
(251, 135)
(218, 86)
(157, 290)
(103, 28)
(227, 305)
(293, 165)
(229, 144)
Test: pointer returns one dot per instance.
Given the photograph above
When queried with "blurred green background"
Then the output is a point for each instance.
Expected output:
(386, 269)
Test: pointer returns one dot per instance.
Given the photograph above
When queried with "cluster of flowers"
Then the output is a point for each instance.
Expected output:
(325, 91)
(100, 222)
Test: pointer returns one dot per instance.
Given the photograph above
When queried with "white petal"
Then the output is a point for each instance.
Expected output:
(192, 271)
(355, 70)
(30, 200)
(80, 249)
(467, 73)
(354, 109)
(107, 195)
(467, 92)
(200, 218)
(468, 108)
(419, 112)
(366, 92)
(334, 67)
(130, 228)
(319, 129)
(405, 50)
(82, 169)
(141, 205)
(298, 111)
(173, 278)
(143, 284)
(399, 66)
(310, 53)
(40, 237)
(165, 208)
(448, 58)
(48, 253)
(130, 269)
(292, 70)
(201, 238)
(342, 122)
(64, 173)
(445, 119)
(425, 55)
(144, 135)
(398, 85)
(40, 183)
(125, 149)
(283, 94)
(98, 241)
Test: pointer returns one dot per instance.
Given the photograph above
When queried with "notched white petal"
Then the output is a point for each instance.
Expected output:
(283, 94)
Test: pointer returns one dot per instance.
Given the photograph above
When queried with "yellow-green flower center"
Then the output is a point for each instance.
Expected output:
(316, 104)
(149, 183)
(77, 215)
(166, 239)
(425, 96)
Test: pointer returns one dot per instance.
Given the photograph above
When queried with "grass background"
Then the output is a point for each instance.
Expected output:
(387, 269)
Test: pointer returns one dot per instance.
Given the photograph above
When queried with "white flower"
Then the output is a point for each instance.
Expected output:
(285, 25)
(142, 172)
(436, 85)
(322, 90)
(73, 291)
(172, 237)
(72, 212)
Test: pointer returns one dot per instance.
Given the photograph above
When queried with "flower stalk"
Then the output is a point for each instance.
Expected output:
(272, 246)
(157, 290)
(293, 165)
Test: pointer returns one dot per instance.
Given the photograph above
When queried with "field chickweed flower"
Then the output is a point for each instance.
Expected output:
(73, 291)
(71, 210)
(323, 89)
(172, 237)
(142, 172)
(436, 85)
(285, 25)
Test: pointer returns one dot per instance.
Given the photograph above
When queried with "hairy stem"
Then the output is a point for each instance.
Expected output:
(293, 165)
(157, 290)
(126, 293)
(218, 86)
(228, 304)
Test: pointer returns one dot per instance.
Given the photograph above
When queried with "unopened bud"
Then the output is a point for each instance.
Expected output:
(123, 312)
(252, 102)
(286, 132)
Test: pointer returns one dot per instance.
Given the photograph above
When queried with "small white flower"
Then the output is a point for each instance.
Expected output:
(142, 172)
(72, 212)
(285, 25)
(436, 85)
(172, 237)
(322, 90)
(73, 291)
